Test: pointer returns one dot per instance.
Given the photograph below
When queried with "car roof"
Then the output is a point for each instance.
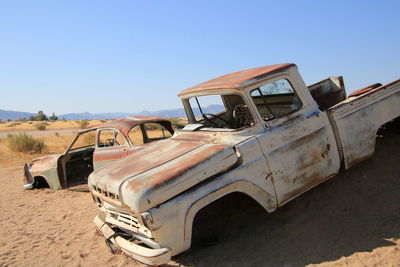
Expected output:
(127, 123)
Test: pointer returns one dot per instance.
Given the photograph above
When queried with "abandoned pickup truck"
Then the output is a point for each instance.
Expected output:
(93, 148)
(272, 139)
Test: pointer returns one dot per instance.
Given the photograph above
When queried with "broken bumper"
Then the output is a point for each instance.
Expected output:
(28, 179)
(151, 256)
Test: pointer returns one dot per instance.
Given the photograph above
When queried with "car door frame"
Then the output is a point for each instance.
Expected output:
(104, 155)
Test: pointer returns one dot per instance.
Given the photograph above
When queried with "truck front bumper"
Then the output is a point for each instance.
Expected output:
(151, 256)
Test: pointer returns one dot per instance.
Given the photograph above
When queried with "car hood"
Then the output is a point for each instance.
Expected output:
(161, 170)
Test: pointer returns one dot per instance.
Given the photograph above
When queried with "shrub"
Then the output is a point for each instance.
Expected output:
(83, 124)
(25, 143)
(53, 117)
(41, 126)
(41, 116)
(57, 134)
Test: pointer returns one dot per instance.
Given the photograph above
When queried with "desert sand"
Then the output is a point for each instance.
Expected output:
(350, 220)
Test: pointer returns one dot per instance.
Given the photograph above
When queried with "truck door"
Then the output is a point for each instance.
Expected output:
(110, 145)
(299, 146)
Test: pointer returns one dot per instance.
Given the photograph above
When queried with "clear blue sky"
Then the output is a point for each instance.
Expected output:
(129, 56)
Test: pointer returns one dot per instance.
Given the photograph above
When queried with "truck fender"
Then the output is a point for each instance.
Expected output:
(265, 199)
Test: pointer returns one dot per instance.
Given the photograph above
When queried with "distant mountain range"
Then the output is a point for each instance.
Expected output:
(14, 115)
(167, 113)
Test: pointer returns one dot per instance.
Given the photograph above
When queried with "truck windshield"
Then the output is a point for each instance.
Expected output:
(220, 111)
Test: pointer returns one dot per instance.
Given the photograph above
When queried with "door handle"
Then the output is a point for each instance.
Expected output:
(314, 113)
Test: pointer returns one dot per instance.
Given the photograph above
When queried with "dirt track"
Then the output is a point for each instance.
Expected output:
(352, 219)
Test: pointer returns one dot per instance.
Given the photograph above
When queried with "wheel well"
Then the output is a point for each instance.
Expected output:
(223, 217)
(40, 182)
(392, 126)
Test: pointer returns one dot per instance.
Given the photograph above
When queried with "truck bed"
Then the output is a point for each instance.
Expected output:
(356, 120)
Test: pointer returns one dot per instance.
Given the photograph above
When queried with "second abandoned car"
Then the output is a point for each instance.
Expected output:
(92, 149)
(272, 138)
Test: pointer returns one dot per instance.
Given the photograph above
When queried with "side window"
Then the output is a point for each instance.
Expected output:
(275, 99)
(136, 136)
(119, 139)
(156, 131)
(110, 138)
(85, 140)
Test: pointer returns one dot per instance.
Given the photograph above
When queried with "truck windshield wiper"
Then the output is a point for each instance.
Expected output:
(205, 118)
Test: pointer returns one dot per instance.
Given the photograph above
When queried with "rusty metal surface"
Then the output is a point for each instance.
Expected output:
(358, 119)
(175, 168)
(162, 183)
(107, 155)
(179, 156)
(127, 123)
(44, 163)
(149, 156)
(238, 79)
(48, 167)
(365, 89)
(165, 184)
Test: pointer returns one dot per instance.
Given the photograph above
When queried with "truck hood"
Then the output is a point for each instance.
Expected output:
(161, 170)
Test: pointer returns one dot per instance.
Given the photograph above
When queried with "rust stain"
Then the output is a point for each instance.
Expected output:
(238, 79)
(148, 157)
(195, 136)
(176, 169)
(365, 89)
(110, 154)
(43, 163)
(307, 183)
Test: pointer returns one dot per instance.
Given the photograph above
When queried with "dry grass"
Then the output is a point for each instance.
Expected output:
(25, 143)
(67, 124)
(52, 125)
(57, 143)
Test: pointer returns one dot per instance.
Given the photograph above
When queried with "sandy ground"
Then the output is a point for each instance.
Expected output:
(350, 220)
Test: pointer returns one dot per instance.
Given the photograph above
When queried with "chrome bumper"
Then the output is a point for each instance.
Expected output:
(151, 256)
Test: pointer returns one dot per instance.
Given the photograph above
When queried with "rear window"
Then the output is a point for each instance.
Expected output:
(275, 99)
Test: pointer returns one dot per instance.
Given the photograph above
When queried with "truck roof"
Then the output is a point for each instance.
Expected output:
(237, 80)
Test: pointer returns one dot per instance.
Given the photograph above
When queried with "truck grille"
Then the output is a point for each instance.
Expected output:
(122, 219)
(105, 192)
